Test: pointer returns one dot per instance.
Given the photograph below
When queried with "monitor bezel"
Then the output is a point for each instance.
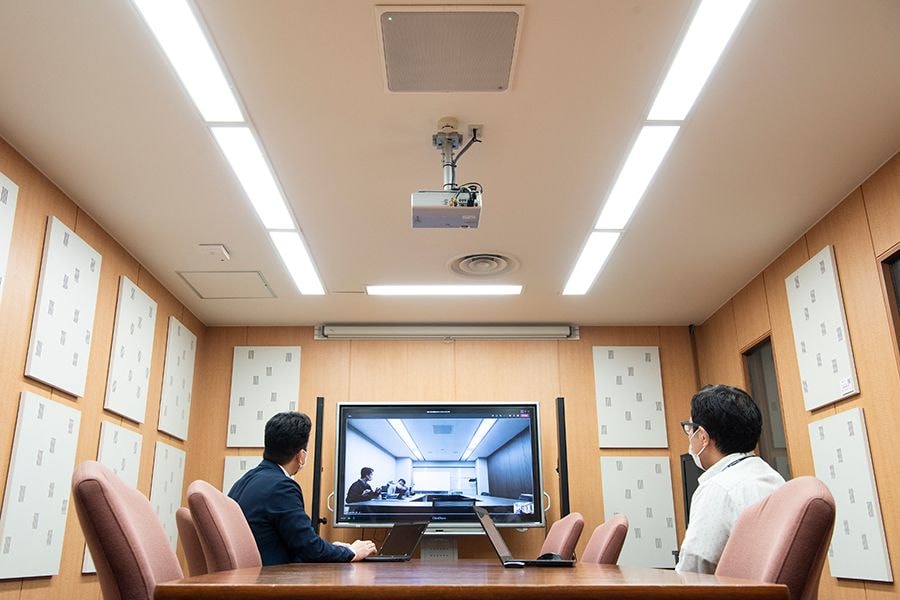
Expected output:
(461, 527)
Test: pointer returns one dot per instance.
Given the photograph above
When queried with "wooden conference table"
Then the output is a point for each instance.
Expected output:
(466, 579)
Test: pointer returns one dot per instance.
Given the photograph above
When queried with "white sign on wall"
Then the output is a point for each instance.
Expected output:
(38, 485)
(841, 457)
(178, 380)
(821, 339)
(165, 488)
(131, 352)
(235, 467)
(630, 407)
(641, 489)
(64, 312)
(265, 380)
(9, 192)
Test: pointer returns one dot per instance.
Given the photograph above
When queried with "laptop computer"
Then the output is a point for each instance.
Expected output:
(400, 543)
(502, 549)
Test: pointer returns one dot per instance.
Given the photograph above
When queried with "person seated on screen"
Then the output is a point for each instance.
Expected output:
(723, 431)
(360, 490)
(273, 503)
(400, 488)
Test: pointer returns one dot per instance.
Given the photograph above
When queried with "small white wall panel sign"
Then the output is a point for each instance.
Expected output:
(64, 312)
(641, 489)
(265, 380)
(235, 467)
(120, 450)
(178, 380)
(38, 484)
(628, 387)
(841, 457)
(821, 339)
(131, 352)
(165, 488)
(9, 192)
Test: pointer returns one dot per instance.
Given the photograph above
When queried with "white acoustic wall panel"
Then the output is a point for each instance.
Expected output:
(165, 488)
(840, 447)
(120, 450)
(641, 489)
(38, 484)
(235, 467)
(9, 192)
(821, 339)
(64, 312)
(265, 380)
(178, 380)
(630, 407)
(131, 352)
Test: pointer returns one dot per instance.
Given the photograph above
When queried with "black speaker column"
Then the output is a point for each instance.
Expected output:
(562, 466)
(317, 468)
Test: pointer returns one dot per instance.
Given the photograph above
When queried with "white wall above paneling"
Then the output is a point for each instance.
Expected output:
(166, 486)
(178, 380)
(235, 467)
(38, 484)
(821, 339)
(265, 380)
(9, 193)
(630, 407)
(120, 450)
(641, 489)
(840, 447)
(64, 312)
(131, 352)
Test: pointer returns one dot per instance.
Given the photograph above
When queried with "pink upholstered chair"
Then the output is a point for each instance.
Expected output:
(190, 542)
(606, 542)
(563, 536)
(129, 546)
(224, 534)
(783, 538)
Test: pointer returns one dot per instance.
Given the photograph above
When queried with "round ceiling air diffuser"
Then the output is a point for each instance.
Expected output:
(483, 265)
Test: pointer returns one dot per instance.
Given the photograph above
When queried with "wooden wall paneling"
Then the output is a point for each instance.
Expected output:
(378, 371)
(515, 371)
(847, 229)
(751, 313)
(717, 350)
(325, 371)
(882, 199)
(679, 385)
(431, 372)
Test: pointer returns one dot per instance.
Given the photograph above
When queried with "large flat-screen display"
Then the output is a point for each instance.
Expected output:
(406, 462)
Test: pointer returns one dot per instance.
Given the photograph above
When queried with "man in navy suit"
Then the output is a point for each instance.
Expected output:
(273, 503)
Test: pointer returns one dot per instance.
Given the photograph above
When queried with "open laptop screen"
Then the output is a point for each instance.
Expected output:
(493, 533)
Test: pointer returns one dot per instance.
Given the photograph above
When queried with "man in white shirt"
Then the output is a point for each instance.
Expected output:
(723, 431)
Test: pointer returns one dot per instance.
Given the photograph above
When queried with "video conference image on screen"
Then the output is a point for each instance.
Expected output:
(401, 463)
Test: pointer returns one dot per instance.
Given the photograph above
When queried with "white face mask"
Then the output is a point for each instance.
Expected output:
(695, 456)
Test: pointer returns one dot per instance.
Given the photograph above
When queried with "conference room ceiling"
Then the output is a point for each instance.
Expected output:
(802, 107)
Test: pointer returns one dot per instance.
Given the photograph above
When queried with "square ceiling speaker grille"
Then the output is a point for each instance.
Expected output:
(449, 48)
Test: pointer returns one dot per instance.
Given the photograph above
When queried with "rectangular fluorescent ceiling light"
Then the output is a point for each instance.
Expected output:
(248, 163)
(597, 250)
(712, 26)
(647, 153)
(297, 261)
(482, 430)
(178, 32)
(400, 428)
(443, 290)
(504, 332)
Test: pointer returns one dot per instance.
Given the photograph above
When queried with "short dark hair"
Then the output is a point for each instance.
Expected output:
(366, 471)
(730, 417)
(401, 480)
(287, 433)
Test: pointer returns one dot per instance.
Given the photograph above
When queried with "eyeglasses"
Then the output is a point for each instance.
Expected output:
(689, 427)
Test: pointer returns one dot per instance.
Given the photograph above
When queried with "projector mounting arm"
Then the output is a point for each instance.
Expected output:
(447, 139)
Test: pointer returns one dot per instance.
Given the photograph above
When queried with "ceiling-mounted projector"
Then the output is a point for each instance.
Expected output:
(455, 206)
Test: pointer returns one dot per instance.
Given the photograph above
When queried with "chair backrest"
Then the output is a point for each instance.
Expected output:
(190, 542)
(563, 536)
(127, 542)
(783, 538)
(606, 542)
(224, 534)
